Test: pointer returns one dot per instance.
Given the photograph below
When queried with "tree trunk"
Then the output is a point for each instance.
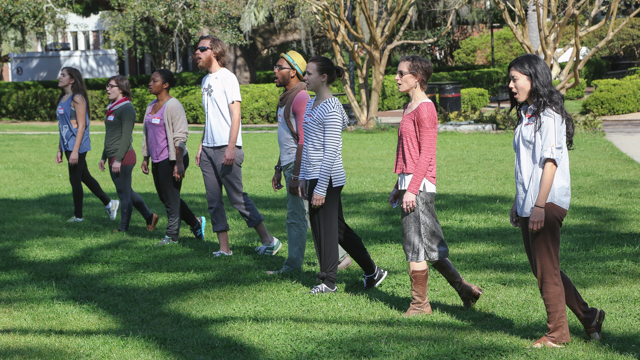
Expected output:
(532, 22)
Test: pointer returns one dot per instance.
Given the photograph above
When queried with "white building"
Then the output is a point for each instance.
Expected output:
(82, 33)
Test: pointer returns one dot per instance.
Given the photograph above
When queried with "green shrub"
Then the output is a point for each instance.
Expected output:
(588, 123)
(489, 79)
(37, 104)
(476, 50)
(576, 92)
(613, 97)
(474, 99)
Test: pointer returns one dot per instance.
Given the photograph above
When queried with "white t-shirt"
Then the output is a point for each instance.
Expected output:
(219, 90)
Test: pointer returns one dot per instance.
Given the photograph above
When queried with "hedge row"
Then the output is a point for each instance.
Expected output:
(474, 99)
(576, 92)
(258, 105)
(614, 97)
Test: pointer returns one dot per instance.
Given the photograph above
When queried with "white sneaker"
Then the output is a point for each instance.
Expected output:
(75, 219)
(220, 253)
(112, 212)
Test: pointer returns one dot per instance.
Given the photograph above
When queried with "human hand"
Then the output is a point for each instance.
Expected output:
(409, 201)
(317, 200)
(116, 166)
(513, 216)
(145, 166)
(302, 189)
(393, 197)
(536, 220)
(59, 157)
(229, 156)
(73, 158)
(178, 171)
(276, 181)
(101, 165)
(198, 156)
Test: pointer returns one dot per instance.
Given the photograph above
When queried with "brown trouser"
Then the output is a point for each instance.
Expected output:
(556, 288)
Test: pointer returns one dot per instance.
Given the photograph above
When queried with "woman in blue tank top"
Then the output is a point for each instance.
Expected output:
(73, 123)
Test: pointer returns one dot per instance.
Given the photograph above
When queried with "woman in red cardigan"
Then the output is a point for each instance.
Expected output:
(415, 190)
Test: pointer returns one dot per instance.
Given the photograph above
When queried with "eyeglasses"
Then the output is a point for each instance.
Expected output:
(403, 73)
(280, 68)
(111, 86)
(203, 48)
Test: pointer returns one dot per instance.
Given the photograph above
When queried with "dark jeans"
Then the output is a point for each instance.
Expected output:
(329, 229)
(79, 174)
(128, 197)
(169, 193)
(557, 290)
(216, 175)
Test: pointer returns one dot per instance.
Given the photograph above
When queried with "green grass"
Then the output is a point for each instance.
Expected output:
(78, 291)
(574, 106)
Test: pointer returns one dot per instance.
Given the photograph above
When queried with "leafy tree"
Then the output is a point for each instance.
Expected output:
(625, 43)
(370, 38)
(476, 50)
(554, 18)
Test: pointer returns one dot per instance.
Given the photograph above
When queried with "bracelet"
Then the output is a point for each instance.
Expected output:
(541, 207)
(295, 177)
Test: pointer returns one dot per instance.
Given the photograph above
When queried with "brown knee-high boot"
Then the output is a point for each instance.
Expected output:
(469, 293)
(419, 288)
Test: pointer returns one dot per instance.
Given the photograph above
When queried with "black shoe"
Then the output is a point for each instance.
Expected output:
(373, 280)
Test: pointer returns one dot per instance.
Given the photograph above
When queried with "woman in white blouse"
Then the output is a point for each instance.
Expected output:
(543, 136)
(322, 171)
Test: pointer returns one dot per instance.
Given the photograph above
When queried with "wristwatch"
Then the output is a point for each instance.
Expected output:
(278, 168)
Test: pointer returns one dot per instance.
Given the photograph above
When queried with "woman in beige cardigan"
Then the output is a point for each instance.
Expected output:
(165, 134)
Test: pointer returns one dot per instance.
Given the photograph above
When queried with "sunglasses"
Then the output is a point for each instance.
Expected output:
(280, 68)
(203, 48)
(401, 73)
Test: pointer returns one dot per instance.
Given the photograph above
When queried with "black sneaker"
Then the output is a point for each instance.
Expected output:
(373, 280)
(322, 289)
(198, 231)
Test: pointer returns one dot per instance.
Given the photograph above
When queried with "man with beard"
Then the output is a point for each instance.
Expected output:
(288, 74)
(220, 155)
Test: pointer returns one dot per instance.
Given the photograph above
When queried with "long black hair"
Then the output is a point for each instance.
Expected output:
(77, 87)
(543, 94)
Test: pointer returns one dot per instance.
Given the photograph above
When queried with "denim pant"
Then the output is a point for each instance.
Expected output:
(128, 197)
(297, 224)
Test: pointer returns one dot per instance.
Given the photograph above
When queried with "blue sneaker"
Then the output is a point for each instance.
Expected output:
(198, 231)
(166, 241)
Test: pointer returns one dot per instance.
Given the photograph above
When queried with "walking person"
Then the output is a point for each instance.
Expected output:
(288, 73)
(542, 138)
(73, 122)
(422, 237)
(220, 155)
(322, 176)
(164, 142)
(118, 151)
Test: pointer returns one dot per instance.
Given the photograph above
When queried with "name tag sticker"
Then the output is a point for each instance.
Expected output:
(61, 110)
(110, 117)
(155, 120)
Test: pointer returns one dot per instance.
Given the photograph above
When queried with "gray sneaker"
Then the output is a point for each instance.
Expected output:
(322, 289)
(74, 219)
(166, 241)
(112, 212)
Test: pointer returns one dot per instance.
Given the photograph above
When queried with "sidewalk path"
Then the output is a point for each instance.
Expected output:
(624, 132)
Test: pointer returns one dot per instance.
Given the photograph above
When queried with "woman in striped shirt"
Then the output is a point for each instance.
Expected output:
(422, 237)
(322, 168)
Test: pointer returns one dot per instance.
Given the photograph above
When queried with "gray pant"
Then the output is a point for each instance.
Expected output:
(297, 224)
(216, 175)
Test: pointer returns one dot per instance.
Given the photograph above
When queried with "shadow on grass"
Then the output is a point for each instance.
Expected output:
(146, 311)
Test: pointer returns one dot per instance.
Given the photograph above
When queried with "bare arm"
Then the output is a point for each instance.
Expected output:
(230, 154)
(81, 112)
(536, 221)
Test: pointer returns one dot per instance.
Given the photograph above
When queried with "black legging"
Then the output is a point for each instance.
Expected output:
(169, 192)
(329, 229)
(128, 197)
(79, 174)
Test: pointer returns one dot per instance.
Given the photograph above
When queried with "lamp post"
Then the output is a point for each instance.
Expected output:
(493, 57)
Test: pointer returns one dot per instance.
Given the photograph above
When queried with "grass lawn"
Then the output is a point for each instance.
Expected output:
(574, 106)
(78, 291)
